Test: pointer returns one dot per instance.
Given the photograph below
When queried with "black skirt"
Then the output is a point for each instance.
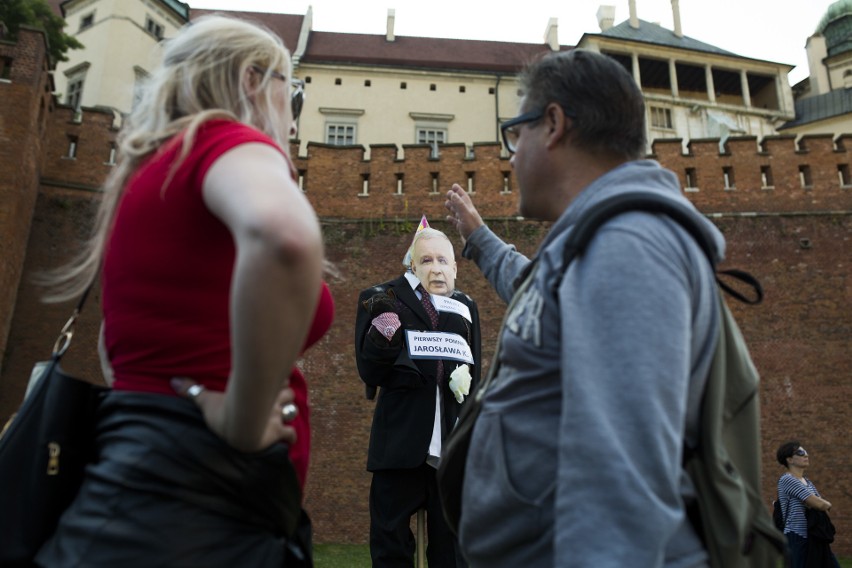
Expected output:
(166, 491)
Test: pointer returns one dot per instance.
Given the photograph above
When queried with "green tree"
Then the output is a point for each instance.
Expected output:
(36, 13)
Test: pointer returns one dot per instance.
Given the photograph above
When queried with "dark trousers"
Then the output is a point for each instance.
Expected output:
(798, 550)
(799, 554)
(396, 495)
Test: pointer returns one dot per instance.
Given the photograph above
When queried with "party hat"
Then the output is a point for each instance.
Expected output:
(424, 224)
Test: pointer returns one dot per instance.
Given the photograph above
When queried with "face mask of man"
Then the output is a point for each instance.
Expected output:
(434, 263)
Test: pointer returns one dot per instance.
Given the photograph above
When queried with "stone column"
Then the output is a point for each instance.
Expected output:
(746, 90)
(711, 88)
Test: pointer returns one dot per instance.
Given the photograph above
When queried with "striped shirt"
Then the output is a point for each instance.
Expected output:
(791, 495)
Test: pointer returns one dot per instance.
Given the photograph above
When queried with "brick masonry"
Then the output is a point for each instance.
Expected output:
(794, 239)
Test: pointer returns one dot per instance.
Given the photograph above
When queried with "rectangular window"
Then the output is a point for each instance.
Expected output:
(433, 137)
(507, 183)
(766, 177)
(843, 175)
(72, 147)
(728, 175)
(111, 158)
(87, 21)
(154, 28)
(399, 183)
(139, 78)
(470, 186)
(302, 175)
(75, 93)
(805, 177)
(5, 68)
(340, 134)
(365, 184)
(661, 117)
(435, 183)
(691, 180)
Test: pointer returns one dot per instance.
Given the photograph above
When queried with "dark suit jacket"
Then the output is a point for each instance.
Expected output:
(405, 409)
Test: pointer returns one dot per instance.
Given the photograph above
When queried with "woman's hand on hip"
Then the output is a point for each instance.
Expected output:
(212, 406)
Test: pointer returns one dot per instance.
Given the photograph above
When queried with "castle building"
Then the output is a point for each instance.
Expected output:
(824, 99)
(363, 90)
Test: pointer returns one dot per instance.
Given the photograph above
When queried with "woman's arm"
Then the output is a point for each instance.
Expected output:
(275, 286)
(818, 503)
(103, 357)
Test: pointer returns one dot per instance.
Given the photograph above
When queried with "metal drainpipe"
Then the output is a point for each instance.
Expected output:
(497, 109)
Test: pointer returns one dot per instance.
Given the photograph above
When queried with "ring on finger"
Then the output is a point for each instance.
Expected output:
(289, 412)
(195, 390)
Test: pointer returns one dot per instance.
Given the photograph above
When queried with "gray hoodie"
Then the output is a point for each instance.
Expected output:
(576, 456)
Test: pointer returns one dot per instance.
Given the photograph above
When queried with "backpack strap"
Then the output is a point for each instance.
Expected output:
(584, 230)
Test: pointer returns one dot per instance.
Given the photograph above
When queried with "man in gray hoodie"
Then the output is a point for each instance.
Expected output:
(576, 457)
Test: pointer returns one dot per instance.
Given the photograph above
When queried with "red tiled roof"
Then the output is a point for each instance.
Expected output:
(421, 52)
(287, 26)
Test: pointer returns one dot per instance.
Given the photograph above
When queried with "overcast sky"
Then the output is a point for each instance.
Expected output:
(772, 30)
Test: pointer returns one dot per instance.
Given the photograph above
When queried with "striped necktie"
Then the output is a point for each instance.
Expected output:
(425, 299)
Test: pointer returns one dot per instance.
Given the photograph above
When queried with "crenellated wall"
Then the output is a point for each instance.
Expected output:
(811, 175)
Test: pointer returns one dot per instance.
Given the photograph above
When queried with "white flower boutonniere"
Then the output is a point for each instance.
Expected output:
(460, 382)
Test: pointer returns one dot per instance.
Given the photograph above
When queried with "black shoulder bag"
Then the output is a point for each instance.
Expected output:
(44, 450)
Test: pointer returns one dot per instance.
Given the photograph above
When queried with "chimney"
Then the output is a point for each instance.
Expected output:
(678, 31)
(551, 35)
(606, 17)
(634, 19)
(391, 18)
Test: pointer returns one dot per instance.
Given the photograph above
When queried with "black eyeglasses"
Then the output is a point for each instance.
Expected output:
(801, 452)
(297, 86)
(510, 130)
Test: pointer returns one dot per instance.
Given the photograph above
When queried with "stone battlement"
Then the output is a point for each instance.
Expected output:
(775, 175)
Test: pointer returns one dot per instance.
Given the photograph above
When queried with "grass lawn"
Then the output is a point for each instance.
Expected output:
(358, 556)
(344, 556)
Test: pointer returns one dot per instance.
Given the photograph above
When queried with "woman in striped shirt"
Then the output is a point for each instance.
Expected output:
(795, 494)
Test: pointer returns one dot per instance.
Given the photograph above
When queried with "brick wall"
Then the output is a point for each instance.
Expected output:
(794, 239)
(799, 338)
(92, 134)
(24, 100)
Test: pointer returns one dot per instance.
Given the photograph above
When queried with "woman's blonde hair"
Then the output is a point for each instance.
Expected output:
(202, 76)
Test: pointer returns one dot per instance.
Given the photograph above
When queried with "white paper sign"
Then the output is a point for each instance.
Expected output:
(438, 345)
(445, 304)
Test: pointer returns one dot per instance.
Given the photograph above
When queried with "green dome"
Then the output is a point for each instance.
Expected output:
(836, 26)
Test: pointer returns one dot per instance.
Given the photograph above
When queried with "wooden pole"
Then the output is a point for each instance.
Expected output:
(421, 538)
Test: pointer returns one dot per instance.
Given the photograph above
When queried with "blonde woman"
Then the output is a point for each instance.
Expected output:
(210, 261)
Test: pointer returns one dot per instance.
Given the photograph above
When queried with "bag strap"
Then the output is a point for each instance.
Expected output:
(585, 229)
(647, 201)
(64, 340)
(786, 510)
